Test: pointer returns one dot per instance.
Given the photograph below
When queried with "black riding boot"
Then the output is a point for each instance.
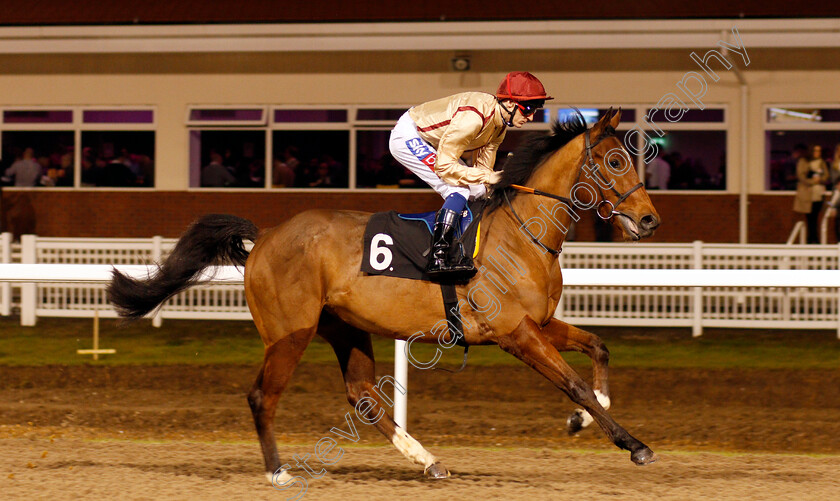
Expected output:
(441, 263)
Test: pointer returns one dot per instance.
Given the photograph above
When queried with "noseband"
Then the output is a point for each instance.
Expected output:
(604, 203)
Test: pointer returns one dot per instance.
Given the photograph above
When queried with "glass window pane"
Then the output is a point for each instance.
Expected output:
(226, 115)
(541, 115)
(118, 116)
(227, 158)
(118, 158)
(696, 159)
(383, 114)
(311, 116)
(321, 158)
(37, 158)
(710, 115)
(784, 149)
(628, 115)
(37, 117)
(376, 168)
(803, 115)
(516, 138)
(592, 115)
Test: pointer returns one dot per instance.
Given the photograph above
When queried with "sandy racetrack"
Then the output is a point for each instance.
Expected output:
(185, 432)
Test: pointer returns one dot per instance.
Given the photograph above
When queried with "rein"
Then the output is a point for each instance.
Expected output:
(595, 169)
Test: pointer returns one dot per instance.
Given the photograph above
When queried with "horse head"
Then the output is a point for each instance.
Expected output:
(610, 174)
(581, 169)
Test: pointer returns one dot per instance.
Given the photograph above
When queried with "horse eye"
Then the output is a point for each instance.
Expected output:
(614, 164)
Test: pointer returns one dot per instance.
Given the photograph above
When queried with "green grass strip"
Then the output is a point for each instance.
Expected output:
(55, 341)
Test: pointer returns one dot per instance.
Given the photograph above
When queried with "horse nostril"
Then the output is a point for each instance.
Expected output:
(650, 222)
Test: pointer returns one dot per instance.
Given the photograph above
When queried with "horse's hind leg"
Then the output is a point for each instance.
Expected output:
(528, 344)
(567, 337)
(279, 363)
(355, 356)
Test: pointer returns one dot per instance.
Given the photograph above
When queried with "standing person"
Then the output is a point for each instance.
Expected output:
(658, 174)
(834, 182)
(26, 171)
(812, 174)
(430, 139)
(215, 174)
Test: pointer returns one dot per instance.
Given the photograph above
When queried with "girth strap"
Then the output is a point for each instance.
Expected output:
(453, 317)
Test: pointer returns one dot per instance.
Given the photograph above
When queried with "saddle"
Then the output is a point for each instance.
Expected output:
(398, 245)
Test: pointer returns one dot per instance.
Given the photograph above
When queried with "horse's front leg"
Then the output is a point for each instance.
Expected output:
(567, 337)
(528, 344)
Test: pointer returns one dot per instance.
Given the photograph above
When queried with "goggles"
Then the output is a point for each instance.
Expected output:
(528, 108)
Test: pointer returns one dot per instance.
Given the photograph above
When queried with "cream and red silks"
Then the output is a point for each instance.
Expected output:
(454, 125)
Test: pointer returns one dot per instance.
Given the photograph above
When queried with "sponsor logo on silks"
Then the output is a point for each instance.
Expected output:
(422, 151)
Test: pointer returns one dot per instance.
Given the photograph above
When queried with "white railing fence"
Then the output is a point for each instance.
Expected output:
(636, 305)
(225, 302)
(699, 307)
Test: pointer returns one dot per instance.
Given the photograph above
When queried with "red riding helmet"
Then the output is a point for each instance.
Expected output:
(522, 86)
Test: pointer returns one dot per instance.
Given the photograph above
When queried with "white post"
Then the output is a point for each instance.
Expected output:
(558, 312)
(28, 291)
(157, 252)
(838, 294)
(6, 287)
(697, 325)
(96, 335)
(401, 376)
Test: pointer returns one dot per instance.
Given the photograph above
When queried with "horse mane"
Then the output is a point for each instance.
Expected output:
(519, 165)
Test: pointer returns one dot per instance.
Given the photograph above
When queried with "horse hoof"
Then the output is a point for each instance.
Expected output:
(574, 423)
(436, 471)
(643, 456)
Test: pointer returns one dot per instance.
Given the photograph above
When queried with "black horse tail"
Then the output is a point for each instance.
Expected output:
(213, 240)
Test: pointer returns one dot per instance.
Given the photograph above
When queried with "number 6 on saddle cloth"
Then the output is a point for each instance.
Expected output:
(397, 245)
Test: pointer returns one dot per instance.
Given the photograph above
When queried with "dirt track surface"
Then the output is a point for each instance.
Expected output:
(500, 430)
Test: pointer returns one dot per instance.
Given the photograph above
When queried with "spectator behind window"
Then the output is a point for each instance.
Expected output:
(26, 171)
(812, 173)
(117, 174)
(658, 172)
(215, 174)
(324, 179)
(285, 169)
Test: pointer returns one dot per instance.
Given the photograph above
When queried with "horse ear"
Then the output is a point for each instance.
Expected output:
(598, 128)
(614, 121)
(607, 116)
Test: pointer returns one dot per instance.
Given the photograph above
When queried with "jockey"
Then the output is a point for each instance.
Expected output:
(431, 138)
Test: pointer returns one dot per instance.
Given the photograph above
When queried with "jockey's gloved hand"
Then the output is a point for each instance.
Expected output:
(493, 177)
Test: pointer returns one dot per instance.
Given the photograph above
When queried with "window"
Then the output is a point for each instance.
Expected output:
(115, 154)
(227, 158)
(37, 158)
(41, 147)
(347, 147)
(691, 149)
(226, 116)
(790, 132)
(311, 148)
(375, 167)
(321, 158)
(118, 159)
(305, 148)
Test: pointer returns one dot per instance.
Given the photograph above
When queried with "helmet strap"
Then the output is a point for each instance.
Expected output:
(511, 113)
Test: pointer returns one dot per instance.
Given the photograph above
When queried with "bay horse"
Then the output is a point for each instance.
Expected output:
(303, 278)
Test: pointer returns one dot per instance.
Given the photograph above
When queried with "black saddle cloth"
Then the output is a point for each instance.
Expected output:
(397, 245)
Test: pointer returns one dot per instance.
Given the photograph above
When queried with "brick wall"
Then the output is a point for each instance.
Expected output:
(711, 218)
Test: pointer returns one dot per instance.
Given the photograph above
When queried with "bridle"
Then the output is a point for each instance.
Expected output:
(604, 203)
